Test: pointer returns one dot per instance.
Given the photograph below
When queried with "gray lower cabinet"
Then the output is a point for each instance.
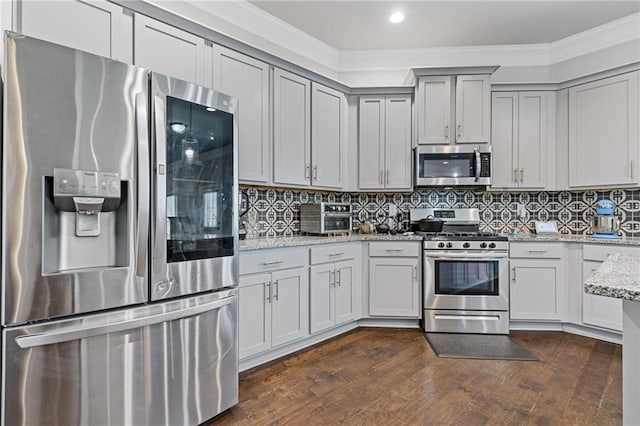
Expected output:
(394, 279)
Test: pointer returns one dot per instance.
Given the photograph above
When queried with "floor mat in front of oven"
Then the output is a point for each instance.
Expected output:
(477, 346)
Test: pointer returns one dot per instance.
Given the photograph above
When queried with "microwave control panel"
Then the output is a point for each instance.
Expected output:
(485, 165)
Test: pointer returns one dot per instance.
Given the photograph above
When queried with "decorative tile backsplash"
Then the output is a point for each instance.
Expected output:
(276, 211)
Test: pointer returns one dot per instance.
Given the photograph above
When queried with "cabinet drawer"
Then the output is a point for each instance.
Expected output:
(601, 252)
(273, 259)
(536, 250)
(334, 252)
(395, 248)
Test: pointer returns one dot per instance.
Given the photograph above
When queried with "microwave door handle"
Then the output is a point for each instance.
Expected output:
(143, 183)
(478, 163)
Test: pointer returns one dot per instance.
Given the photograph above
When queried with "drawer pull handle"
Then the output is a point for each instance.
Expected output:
(335, 254)
(394, 250)
(538, 251)
(277, 262)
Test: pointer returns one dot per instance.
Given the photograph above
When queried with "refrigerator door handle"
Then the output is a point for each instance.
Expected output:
(160, 279)
(143, 183)
(90, 330)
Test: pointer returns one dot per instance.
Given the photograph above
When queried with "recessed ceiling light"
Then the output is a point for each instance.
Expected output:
(396, 17)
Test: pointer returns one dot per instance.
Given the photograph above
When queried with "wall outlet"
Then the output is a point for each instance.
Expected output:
(521, 211)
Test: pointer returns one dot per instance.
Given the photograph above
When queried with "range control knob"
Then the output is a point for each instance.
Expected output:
(466, 245)
(449, 245)
(492, 245)
(440, 245)
(483, 245)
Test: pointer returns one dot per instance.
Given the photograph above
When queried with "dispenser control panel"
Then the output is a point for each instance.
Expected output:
(84, 183)
(70, 185)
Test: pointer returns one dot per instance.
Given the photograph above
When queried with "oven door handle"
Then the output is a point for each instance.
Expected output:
(442, 255)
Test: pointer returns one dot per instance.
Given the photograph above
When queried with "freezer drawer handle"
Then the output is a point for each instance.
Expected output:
(52, 338)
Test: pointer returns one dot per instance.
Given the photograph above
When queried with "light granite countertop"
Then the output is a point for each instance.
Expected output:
(305, 240)
(618, 276)
(567, 238)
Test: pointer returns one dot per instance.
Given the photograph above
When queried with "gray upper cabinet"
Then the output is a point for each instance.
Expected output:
(328, 137)
(604, 141)
(171, 51)
(453, 109)
(248, 80)
(97, 27)
(291, 129)
(473, 103)
(384, 149)
(433, 105)
(522, 135)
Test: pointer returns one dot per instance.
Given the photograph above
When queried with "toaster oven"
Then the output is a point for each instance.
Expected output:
(325, 218)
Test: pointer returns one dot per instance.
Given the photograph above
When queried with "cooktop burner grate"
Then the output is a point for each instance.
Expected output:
(459, 236)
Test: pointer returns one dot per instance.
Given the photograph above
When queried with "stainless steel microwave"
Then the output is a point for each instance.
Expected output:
(453, 165)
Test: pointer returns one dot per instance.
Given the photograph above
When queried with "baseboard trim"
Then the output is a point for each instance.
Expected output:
(594, 333)
(535, 326)
(389, 323)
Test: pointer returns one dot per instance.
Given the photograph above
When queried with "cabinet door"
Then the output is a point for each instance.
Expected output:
(504, 139)
(291, 129)
(169, 50)
(394, 287)
(600, 311)
(532, 140)
(97, 27)
(473, 103)
(536, 290)
(397, 151)
(289, 306)
(248, 80)
(603, 132)
(254, 314)
(371, 147)
(321, 306)
(433, 106)
(328, 125)
(345, 291)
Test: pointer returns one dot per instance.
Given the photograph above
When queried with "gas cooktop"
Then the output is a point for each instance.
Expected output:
(461, 236)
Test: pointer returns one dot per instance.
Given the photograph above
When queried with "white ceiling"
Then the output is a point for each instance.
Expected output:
(364, 25)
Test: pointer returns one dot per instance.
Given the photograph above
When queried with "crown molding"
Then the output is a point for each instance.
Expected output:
(597, 38)
(459, 56)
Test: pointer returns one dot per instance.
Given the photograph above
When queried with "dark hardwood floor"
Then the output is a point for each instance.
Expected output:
(392, 377)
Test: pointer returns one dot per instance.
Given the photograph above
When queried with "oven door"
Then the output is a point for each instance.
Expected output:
(466, 281)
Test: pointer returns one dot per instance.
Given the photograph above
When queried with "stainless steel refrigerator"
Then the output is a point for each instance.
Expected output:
(119, 243)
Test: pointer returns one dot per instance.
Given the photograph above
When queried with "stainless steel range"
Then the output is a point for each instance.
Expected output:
(465, 275)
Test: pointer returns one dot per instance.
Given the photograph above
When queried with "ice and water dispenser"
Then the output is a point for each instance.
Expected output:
(84, 220)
